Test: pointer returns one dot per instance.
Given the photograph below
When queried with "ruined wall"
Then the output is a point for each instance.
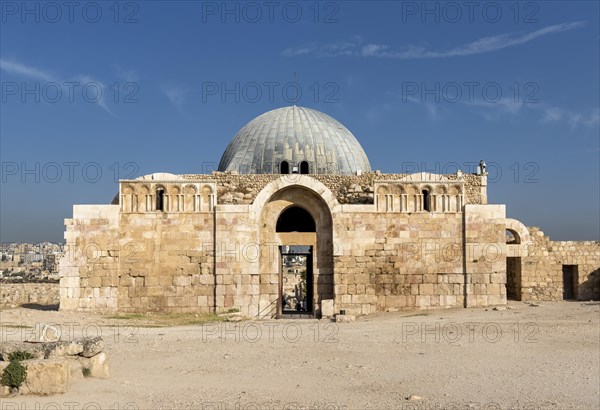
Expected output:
(389, 261)
(17, 294)
(541, 270)
(89, 269)
(348, 189)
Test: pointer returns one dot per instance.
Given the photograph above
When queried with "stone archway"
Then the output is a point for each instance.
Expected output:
(321, 239)
(517, 240)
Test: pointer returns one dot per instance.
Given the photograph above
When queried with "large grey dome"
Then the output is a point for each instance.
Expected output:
(293, 135)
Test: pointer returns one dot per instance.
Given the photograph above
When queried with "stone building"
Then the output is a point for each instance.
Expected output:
(295, 181)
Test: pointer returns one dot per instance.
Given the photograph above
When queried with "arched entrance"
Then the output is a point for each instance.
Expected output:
(297, 270)
(517, 236)
(296, 279)
(295, 219)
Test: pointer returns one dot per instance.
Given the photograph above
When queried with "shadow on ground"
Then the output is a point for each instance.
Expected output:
(37, 306)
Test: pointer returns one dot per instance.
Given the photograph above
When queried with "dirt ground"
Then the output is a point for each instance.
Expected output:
(524, 357)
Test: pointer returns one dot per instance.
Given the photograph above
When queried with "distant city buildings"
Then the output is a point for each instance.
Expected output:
(30, 261)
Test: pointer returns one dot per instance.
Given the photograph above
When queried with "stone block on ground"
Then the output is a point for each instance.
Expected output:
(97, 365)
(44, 377)
(327, 308)
(75, 369)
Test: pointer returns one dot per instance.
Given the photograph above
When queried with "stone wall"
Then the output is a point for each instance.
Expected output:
(393, 261)
(198, 254)
(170, 266)
(541, 268)
(485, 254)
(17, 294)
(396, 261)
(348, 189)
(89, 269)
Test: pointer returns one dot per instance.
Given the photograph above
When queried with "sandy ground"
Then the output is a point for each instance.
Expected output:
(545, 357)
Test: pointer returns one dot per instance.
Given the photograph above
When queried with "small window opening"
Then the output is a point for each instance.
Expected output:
(284, 167)
(160, 199)
(426, 201)
(304, 167)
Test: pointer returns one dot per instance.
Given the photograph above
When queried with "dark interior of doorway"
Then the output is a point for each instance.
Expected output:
(570, 282)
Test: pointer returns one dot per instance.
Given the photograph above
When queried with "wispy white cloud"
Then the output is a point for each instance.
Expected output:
(431, 107)
(544, 113)
(14, 67)
(339, 49)
(555, 115)
(493, 111)
(100, 96)
(551, 114)
(358, 48)
(586, 120)
(35, 73)
(176, 95)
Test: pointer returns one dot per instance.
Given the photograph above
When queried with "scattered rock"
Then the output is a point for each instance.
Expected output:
(62, 349)
(232, 316)
(6, 348)
(92, 346)
(345, 318)
(500, 308)
(97, 365)
(44, 333)
(56, 364)
(4, 391)
(534, 305)
(414, 397)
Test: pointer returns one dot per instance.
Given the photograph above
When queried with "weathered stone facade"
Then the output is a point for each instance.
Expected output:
(539, 275)
(17, 294)
(200, 255)
(348, 189)
(211, 243)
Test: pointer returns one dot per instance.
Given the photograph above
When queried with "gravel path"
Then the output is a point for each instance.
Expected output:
(524, 357)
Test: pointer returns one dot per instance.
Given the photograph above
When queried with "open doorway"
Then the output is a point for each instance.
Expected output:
(296, 216)
(513, 278)
(570, 282)
(296, 281)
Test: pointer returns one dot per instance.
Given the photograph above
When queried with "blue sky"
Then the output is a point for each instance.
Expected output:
(105, 90)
